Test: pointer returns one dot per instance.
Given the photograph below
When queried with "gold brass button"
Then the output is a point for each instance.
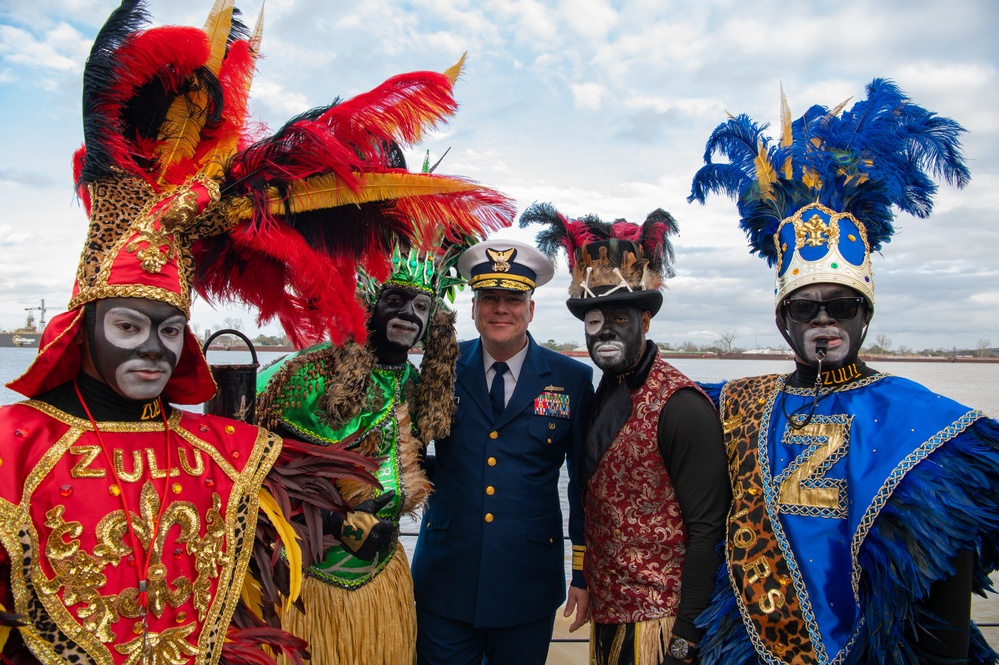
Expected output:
(491, 461)
(490, 490)
(489, 517)
(549, 440)
(494, 435)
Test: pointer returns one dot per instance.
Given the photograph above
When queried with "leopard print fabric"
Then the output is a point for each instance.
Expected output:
(757, 570)
(115, 204)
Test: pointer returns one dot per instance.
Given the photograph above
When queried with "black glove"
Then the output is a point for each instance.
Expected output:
(361, 531)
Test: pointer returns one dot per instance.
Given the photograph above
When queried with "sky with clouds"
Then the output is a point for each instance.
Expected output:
(595, 106)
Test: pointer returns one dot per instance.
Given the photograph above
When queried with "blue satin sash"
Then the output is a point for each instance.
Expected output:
(826, 483)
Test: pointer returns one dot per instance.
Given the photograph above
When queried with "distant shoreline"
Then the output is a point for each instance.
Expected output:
(700, 356)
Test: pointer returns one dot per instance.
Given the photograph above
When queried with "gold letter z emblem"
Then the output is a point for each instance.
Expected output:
(804, 487)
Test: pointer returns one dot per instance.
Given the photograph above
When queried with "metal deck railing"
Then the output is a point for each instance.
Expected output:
(411, 534)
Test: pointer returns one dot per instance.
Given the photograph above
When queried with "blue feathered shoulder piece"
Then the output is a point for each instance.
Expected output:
(882, 152)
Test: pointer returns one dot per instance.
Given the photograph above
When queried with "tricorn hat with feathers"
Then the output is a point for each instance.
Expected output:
(611, 262)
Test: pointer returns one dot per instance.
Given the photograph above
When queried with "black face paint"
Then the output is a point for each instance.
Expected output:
(614, 337)
(399, 320)
(136, 345)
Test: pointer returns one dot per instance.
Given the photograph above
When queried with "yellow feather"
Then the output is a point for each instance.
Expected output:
(835, 111)
(292, 549)
(787, 136)
(454, 71)
(186, 117)
(766, 175)
(785, 119)
(215, 159)
(4, 631)
(250, 593)
(217, 27)
(811, 179)
(328, 191)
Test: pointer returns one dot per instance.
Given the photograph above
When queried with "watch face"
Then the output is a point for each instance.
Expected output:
(679, 648)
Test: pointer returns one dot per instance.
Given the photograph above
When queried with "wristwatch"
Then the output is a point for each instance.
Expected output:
(681, 649)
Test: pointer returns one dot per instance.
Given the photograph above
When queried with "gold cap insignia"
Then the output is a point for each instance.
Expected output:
(501, 258)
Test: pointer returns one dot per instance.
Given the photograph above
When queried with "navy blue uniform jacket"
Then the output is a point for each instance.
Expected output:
(491, 550)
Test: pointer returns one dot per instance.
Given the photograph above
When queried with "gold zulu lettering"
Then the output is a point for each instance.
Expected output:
(756, 570)
(199, 462)
(773, 601)
(154, 470)
(151, 410)
(840, 375)
(119, 466)
(89, 454)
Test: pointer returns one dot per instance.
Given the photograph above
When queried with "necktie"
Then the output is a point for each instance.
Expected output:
(497, 392)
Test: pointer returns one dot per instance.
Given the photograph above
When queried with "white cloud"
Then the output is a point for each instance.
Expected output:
(20, 48)
(588, 96)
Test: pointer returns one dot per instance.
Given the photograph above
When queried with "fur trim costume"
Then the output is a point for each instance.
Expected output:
(342, 397)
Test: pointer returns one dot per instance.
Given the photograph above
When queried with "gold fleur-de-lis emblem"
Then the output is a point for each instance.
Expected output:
(816, 232)
(501, 258)
(152, 257)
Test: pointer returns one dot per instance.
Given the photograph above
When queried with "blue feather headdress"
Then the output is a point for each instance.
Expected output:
(816, 202)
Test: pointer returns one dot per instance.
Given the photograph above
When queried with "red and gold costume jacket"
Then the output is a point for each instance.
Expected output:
(635, 536)
(73, 572)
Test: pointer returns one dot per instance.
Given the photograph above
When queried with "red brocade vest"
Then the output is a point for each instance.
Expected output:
(73, 571)
(635, 536)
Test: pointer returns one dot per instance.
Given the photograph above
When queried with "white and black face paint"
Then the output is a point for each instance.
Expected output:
(614, 337)
(400, 317)
(137, 344)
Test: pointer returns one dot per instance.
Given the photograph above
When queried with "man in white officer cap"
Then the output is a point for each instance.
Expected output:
(488, 567)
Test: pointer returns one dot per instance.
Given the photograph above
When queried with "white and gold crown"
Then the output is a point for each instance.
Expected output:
(819, 245)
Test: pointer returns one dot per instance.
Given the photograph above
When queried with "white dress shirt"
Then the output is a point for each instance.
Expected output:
(514, 364)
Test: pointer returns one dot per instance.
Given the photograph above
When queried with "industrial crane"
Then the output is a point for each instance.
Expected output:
(42, 309)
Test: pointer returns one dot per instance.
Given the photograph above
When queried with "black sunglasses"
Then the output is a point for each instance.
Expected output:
(841, 309)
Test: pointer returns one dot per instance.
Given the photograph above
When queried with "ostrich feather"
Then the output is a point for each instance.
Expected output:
(571, 235)
(656, 245)
(882, 153)
(301, 210)
(188, 114)
(562, 232)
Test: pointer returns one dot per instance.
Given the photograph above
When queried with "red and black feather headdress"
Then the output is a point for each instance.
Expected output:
(279, 223)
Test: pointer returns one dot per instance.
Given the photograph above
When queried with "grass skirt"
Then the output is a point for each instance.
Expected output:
(373, 625)
(639, 643)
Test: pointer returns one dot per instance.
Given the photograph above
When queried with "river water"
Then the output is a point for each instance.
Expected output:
(974, 384)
